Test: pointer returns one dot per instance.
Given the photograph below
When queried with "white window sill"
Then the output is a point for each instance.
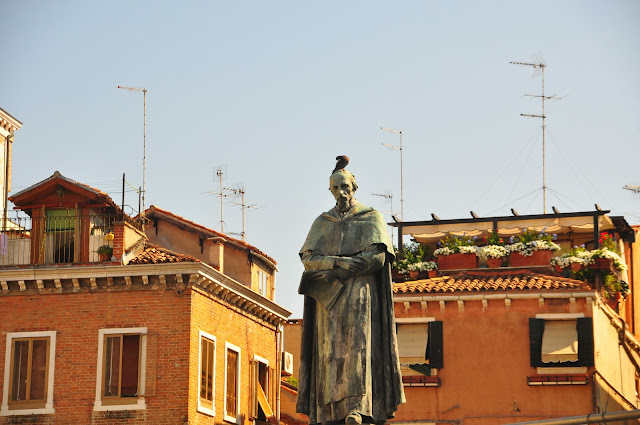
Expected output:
(206, 411)
(560, 370)
(231, 419)
(43, 411)
(99, 407)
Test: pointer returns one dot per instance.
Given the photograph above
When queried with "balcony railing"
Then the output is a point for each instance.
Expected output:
(54, 238)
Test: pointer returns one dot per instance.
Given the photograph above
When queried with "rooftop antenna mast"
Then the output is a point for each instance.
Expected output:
(219, 174)
(144, 142)
(390, 198)
(540, 66)
(391, 130)
(634, 189)
(241, 192)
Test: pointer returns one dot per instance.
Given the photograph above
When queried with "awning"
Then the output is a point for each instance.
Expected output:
(435, 232)
(560, 341)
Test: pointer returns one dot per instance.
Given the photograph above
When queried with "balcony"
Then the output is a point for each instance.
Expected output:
(55, 238)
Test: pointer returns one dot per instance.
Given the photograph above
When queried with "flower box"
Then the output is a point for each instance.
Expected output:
(457, 261)
(538, 258)
(494, 263)
(601, 264)
(396, 276)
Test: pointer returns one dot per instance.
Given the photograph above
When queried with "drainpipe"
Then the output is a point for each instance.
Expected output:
(592, 418)
(279, 347)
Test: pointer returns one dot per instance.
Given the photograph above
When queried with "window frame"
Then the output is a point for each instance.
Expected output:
(200, 407)
(435, 340)
(230, 347)
(585, 360)
(255, 382)
(129, 403)
(48, 408)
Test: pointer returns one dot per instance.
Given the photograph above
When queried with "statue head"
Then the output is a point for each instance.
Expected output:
(342, 185)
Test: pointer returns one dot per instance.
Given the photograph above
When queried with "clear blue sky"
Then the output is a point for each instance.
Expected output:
(275, 90)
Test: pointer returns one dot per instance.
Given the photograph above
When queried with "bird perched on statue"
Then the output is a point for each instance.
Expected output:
(343, 160)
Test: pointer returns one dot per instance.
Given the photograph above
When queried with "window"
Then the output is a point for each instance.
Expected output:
(561, 341)
(262, 283)
(60, 236)
(207, 373)
(261, 396)
(231, 383)
(121, 369)
(420, 347)
(28, 379)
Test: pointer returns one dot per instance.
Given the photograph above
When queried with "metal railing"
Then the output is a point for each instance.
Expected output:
(58, 237)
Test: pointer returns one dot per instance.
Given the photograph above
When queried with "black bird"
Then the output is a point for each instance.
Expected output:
(343, 160)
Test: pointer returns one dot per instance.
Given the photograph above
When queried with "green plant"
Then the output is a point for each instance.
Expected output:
(612, 286)
(292, 380)
(105, 249)
(413, 253)
(457, 244)
(607, 242)
(494, 239)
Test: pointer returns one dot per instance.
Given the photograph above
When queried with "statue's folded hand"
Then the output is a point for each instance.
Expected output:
(354, 265)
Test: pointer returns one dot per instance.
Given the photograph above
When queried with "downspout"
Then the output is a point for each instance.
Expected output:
(279, 347)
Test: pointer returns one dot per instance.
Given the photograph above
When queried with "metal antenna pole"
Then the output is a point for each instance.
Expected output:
(634, 189)
(541, 66)
(144, 142)
(401, 172)
(390, 198)
(221, 202)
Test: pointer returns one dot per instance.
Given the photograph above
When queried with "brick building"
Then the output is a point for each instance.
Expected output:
(146, 335)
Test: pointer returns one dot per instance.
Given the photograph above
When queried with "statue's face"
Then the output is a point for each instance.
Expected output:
(342, 191)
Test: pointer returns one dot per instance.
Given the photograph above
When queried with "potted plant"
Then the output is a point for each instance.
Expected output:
(614, 290)
(423, 269)
(494, 252)
(607, 255)
(457, 252)
(532, 248)
(577, 258)
(105, 252)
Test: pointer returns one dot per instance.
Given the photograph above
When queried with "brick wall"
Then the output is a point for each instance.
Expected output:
(77, 318)
(228, 324)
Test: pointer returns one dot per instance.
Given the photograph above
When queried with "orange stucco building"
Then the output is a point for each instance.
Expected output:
(145, 335)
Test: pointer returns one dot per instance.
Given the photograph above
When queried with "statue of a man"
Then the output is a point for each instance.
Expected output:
(349, 368)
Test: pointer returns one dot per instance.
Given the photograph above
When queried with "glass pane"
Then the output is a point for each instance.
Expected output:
(232, 360)
(210, 371)
(203, 369)
(19, 372)
(38, 369)
(112, 366)
(130, 363)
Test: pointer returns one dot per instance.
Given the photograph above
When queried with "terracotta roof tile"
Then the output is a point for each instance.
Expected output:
(516, 280)
(153, 254)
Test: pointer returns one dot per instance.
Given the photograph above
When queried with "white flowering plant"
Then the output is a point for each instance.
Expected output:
(492, 251)
(615, 258)
(530, 241)
(578, 254)
(456, 244)
(423, 266)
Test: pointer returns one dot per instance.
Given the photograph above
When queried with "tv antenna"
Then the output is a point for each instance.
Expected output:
(540, 66)
(391, 130)
(240, 192)
(634, 189)
(220, 174)
(390, 198)
(144, 142)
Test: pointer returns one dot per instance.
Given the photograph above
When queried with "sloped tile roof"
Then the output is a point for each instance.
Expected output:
(153, 210)
(153, 254)
(517, 280)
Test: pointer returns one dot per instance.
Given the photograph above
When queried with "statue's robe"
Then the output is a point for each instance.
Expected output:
(349, 357)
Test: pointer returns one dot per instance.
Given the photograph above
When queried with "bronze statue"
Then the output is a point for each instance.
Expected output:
(349, 368)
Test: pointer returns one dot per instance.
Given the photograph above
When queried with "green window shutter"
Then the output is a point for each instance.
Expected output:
(536, 329)
(585, 341)
(60, 219)
(435, 345)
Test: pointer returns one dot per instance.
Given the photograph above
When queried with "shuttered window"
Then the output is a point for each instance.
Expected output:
(232, 382)
(561, 343)
(420, 347)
